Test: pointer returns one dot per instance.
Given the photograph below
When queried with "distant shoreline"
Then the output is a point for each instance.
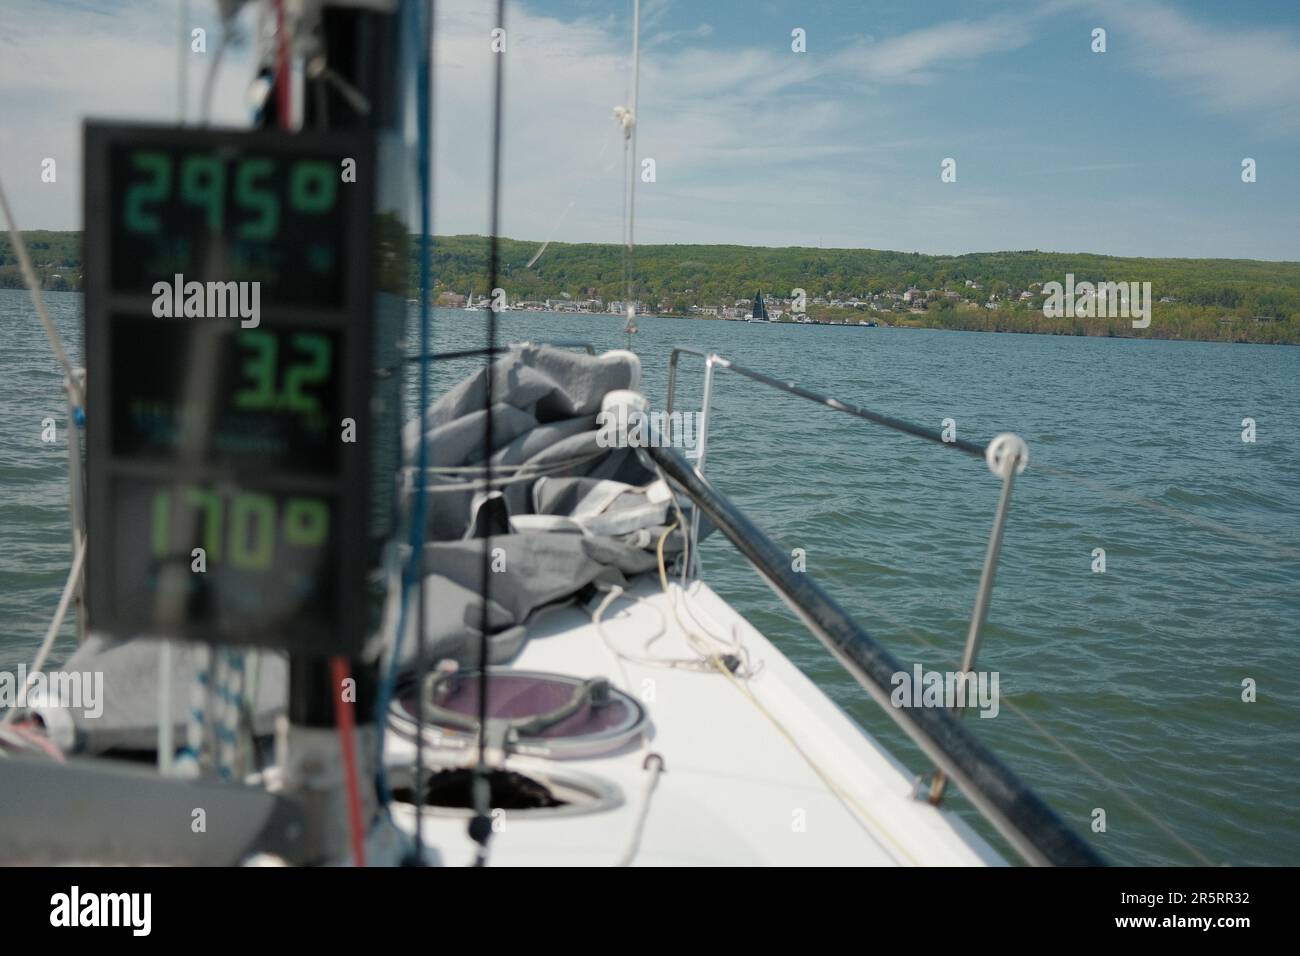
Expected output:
(1203, 300)
(891, 327)
(895, 327)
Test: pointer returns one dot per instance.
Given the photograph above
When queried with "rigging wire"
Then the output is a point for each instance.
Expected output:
(480, 828)
(1095, 486)
(630, 119)
(424, 97)
(283, 90)
(573, 201)
(38, 302)
(411, 575)
(1192, 520)
(78, 403)
(1051, 738)
(976, 450)
(210, 81)
(183, 66)
(69, 589)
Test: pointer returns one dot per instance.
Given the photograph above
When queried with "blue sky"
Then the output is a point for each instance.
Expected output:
(1135, 151)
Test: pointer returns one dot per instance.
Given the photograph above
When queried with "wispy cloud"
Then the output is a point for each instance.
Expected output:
(670, 37)
(67, 62)
(921, 55)
(754, 143)
(1227, 70)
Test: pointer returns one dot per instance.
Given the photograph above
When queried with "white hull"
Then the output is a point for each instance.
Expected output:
(735, 790)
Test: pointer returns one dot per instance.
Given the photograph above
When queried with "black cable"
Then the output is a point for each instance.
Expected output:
(425, 99)
(481, 825)
(322, 104)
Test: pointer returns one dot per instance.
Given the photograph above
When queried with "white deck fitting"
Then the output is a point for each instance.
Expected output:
(734, 791)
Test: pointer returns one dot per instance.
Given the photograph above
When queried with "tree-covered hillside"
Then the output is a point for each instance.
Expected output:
(1220, 299)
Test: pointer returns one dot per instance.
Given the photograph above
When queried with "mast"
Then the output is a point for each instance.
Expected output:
(629, 124)
(353, 68)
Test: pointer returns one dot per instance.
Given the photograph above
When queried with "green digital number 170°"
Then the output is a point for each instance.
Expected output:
(252, 519)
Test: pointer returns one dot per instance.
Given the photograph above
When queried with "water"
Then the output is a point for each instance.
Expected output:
(1138, 671)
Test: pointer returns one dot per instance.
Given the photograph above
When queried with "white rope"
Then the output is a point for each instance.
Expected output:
(34, 287)
(229, 697)
(210, 82)
(684, 559)
(69, 589)
(654, 765)
(597, 618)
(703, 663)
(189, 763)
(740, 680)
(872, 827)
(710, 660)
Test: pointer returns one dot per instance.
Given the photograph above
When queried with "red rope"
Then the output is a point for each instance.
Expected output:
(343, 716)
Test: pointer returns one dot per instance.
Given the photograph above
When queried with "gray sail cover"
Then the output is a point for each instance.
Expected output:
(570, 512)
(579, 511)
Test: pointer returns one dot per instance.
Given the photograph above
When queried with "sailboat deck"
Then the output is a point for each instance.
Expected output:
(734, 790)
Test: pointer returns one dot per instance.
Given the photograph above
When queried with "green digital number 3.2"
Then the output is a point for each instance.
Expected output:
(259, 369)
(312, 373)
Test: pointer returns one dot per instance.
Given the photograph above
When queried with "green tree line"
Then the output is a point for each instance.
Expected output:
(1212, 299)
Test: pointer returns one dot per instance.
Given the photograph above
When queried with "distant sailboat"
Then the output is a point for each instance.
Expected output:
(759, 312)
(469, 302)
